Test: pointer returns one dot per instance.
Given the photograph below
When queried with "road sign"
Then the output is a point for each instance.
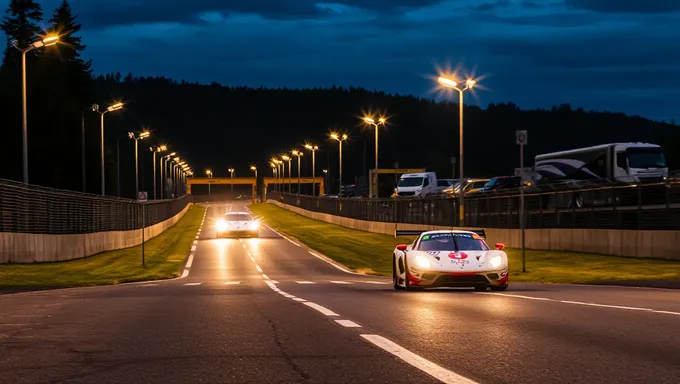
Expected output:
(143, 197)
(521, 137)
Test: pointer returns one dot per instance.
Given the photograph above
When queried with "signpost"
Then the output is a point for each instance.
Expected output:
(143, 198)
(521, 140)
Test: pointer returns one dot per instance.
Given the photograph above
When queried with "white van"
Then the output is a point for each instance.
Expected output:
(417, 184)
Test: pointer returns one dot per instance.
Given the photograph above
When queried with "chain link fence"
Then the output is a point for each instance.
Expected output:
(34, 209)
(649, 206)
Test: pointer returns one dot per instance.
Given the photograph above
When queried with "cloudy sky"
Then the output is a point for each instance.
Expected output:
(617, 55)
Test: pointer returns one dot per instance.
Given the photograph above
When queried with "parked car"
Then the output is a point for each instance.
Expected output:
(471, 185)
(500, 183)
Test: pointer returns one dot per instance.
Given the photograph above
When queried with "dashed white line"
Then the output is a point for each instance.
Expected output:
(305, 282)
(195, 242)
(185, 273)
(190, 261)
(348, 323)
(192, 284)
(232, 282)
(270, 284)
(274, 281)
(264, 276)
(149, 285)
(375, 282)
(339, 282)
(432, 369)
(193, 248)
(259, 269)
(321, 309)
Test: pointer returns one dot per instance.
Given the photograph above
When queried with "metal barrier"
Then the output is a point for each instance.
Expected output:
(33, 209)
(648, 206)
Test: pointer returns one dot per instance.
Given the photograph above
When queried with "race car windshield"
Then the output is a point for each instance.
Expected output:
(411, 182)
(238, 217)
(452, 242)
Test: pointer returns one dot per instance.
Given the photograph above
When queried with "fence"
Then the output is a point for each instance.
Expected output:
(649, 206)
(40, 210)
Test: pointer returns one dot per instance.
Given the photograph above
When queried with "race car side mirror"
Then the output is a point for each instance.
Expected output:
(402, 247)
(500, 246)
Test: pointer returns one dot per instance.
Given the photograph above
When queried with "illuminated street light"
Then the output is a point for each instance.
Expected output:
(164, 171)
(209, 173)
(452, 84)
(45, 42)
(339, 139)
(231, 171)
(290, 172)
(313, 148)
(136, 138)
(155, 150)
(110, 108)
(370, 121)
(254, 169)
(299, 156)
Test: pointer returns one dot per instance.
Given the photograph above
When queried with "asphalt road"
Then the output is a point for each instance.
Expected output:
(265, 310)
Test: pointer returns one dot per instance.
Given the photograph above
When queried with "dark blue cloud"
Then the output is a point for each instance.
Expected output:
(627, 6)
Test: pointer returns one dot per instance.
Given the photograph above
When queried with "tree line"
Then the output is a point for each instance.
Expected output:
(225, 127)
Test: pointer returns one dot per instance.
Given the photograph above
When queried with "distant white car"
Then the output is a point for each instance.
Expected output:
(237, 223)
(449, 258)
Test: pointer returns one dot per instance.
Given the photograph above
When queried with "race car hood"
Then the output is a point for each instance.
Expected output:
(461, 261)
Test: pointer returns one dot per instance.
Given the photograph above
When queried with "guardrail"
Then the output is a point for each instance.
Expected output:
(33, 209)
(648, 206)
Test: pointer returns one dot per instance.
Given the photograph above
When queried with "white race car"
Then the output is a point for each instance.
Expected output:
(237, 223)
(449, 258)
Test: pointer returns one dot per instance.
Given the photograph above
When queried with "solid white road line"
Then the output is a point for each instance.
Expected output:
(348, 323)
(340, 282)
(432, 369)
(270, 284)
(299, 299)
(669, 312)
(190, 261)
(149, 285)
(232, 283)
(321, 309)
(375, 282)
(604, 305)
(333, 263)
(280, 234)
(185, 273)
(274, 281)
(259, 269)
(305, 282)
(264, 276)
(193, 284)
(518, 296)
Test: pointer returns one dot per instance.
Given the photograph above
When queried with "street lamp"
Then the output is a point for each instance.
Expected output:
(290, 172)
(339, 138)
(209, 173)
(110, 108)
(299, 156)
(164, 171)
(370, 121)
(136, 138)
(231, 172)
(92, 108)
(155, 150)
(325, 177)
(452, 84)
(254, 169)
(313, 148)
(45, 42)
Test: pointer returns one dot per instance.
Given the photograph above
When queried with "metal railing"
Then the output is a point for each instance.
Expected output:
(649, 206)
(33, 209)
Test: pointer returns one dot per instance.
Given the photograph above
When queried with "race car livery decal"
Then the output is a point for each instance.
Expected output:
(433, 253)
(458, 255)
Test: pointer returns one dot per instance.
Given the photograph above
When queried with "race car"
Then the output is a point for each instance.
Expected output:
(235, 223)
(449, 258)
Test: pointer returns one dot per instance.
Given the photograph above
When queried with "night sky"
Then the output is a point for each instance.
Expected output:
(616, 55)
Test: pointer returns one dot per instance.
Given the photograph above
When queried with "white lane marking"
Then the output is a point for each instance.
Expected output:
(432, 369)
(190, 261)
(305, 282)
(274, 281)
(333, 263)
(270, 284)
(282, 235)
(264, 276)
(196, 237)
(193, 248)
(193, 284)
(321, 309)
(339, 282)
(668, 312)
(259, 269)
(348, 323)
(299, 299)
(185, 273)
(195, 242)
(149, 285)
(375, 282)
(518, 296)
(604, 305)
(232, 283)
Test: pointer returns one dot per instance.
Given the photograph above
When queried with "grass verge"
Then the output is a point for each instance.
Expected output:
(164, 256)
(370, 253)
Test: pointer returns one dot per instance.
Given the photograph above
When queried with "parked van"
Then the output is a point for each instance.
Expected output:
(417, 184)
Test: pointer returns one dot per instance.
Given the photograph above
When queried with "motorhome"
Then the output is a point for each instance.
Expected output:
(621, 162)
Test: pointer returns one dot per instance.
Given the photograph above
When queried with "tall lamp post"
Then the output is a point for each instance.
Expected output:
(299, 156)
(136, 138)
(370, 121)
(325, 177)
(164, 176)
(154, 150)
(209, 173)
(110, 108)
(92, 108)
(339, 138)
(281, 172)
(45, 42)
(254, 169)
(290, 172)
(313, 148)
(452, 84)
(231, 173)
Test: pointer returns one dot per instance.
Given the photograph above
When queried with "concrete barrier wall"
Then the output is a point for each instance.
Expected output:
(38, 248)
(629, 243)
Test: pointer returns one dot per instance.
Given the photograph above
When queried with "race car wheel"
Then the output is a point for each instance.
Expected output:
(395, 277)
(499, 288)
(480, 288)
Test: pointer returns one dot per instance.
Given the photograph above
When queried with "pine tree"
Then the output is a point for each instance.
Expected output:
(21, 22)
(63, 23)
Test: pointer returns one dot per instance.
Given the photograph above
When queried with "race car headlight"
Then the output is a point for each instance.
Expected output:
(496, 261)
(422, 262)
(254, 225)
(221, 225)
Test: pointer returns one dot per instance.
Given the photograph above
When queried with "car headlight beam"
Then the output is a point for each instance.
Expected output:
(221, 225)
(422, 262)
(496, 261)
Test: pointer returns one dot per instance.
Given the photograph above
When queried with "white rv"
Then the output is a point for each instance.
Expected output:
(622, 162)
